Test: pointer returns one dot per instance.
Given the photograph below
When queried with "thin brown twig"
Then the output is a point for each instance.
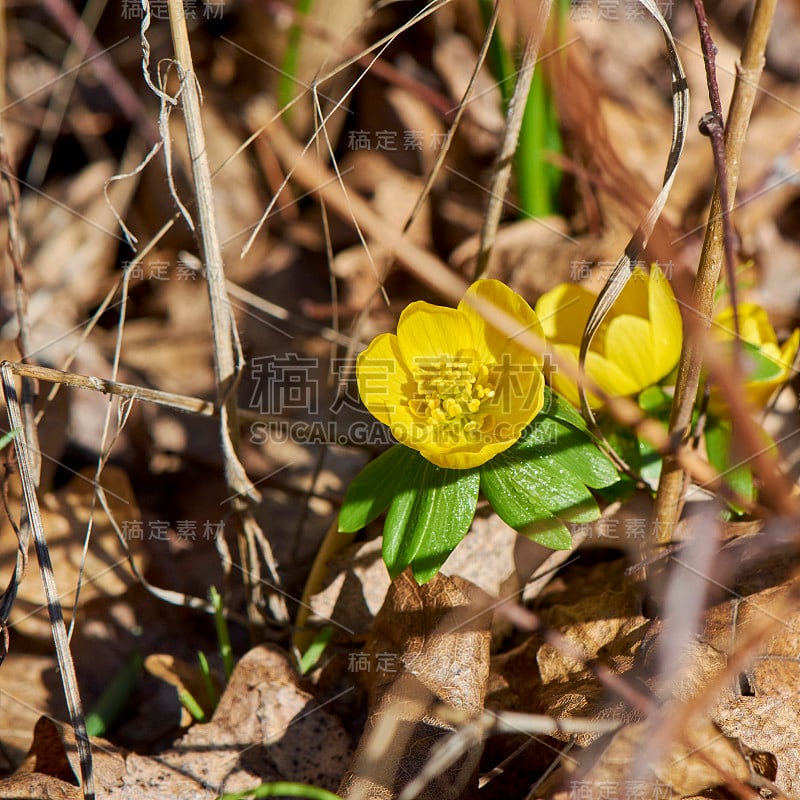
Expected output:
(713, 126)
(65, 663)
(227, 353)
(669, 499)
(14, 249)
(29, 393)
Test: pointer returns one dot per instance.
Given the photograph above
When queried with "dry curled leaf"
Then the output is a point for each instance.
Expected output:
(354, 589)
(598, 612)
(429, 648)
(51, 766)
(265, 728)
(702, 760)
(762, 710)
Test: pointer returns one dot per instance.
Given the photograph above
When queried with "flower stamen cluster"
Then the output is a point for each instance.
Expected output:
(454, 388)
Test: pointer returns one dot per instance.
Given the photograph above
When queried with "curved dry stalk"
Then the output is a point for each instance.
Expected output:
(473, 733)
(60, 640)
(624, 267)
(227, 352)
(669, 500)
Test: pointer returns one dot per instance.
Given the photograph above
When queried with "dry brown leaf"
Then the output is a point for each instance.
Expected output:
(169, 358)
(598, 612)
(30, 687)
(331, 32)
(265, 728)
(763, 713)
(393, 194)
(430, 646)
(704, 760)
(65, 515)
(485, 557)
(415, 114)
(70, 260)
(357, 582)
(531, 255)
(51, 766)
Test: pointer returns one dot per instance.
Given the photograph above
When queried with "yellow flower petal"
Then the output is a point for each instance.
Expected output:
(757, 330)
(754, 325)
(498, 343)
(383, 381)
(427, 332)
(518, 390)
(634, 299)
(789, 350)
(563, 312)
(666, 329)
(606, 374)
(628, 344)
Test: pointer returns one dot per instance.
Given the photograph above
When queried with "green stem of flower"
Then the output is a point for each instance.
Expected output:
(669, 499)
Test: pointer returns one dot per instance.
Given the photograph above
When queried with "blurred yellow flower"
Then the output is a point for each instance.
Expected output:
(449, 384)
(767, 365)
(638, 344)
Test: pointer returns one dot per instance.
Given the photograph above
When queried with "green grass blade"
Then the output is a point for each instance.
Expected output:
(223, 635)
(287, 85)
(191, 705)
(208, 681)
(283, 789)
(315, 650)
(108, 708)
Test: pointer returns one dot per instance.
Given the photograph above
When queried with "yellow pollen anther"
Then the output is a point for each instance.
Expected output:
(451, 390)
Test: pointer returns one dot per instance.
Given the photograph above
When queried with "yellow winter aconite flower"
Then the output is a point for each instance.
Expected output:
(449, 384)
(766, 368)
(638, 344)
